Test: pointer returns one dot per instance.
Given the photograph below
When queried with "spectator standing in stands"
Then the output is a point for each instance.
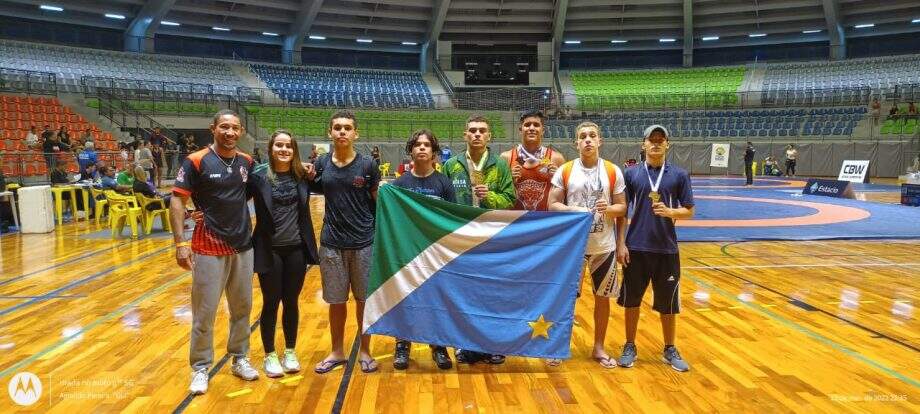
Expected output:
(791, 155)
(51, 147)
(912, 110)
(157, 139)
(32, 138)
(87, 135)
(313, 155)
(875, 110)
(375, 155)
(893, 112)
(64, 136)
(256, 155)
(87, 156)
(158, 156)
(47, 133)
(749, 164)
(446, 153)
(349, 182)
(220, 253)
(144, 158)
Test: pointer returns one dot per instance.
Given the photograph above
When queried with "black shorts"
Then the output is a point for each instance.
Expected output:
(663, 270)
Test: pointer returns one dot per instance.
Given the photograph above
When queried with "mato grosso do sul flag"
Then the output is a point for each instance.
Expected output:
(495, 281)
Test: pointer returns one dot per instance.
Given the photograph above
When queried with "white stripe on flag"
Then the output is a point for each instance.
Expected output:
(432, 259)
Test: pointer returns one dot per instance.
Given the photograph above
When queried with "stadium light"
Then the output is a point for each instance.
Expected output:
(409, 44)
(51, 8)
(221, 29)
(115, 16)
(864, 26)
(811, 31)
(314, 37)
(709, 38)
(915, 21)
(269, 34)
(169, 23)
(573, 42)
(757, 35)
(618, 41)
(364, 40)
(667, 40)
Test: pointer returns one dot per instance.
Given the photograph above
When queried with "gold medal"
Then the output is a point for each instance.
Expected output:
(654, 196)
(477, 178)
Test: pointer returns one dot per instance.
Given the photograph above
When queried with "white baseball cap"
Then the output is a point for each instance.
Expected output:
(649, 130)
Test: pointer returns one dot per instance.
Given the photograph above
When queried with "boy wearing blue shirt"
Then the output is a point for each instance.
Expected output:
(658, 194)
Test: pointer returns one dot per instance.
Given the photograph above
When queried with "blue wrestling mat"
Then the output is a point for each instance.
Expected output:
(775, 209)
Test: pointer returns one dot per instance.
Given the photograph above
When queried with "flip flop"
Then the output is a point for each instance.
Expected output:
(606, 362)
(553, 362)
(369, 366)
(329, 365)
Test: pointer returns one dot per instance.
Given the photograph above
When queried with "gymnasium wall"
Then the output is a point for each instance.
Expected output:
(823, 159)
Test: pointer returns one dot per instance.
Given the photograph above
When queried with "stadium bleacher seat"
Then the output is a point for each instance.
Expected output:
(680, 88)
(722, 124)
(334, 87)
(71, 64)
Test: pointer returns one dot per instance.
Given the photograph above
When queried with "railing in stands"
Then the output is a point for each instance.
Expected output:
(122, 113)
(442, 77)
(28, 82)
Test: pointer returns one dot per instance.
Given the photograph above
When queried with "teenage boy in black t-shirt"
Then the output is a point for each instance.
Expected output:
(424, 179)
(349, 182)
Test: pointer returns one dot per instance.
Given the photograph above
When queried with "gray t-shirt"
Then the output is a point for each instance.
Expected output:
(284, 211)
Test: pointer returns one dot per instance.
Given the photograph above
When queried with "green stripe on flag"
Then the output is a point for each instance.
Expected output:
(405, 227)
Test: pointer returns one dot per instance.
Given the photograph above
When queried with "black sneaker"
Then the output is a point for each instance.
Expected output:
(495, 359)
(401, 356)
(467, 357)
(440, 357)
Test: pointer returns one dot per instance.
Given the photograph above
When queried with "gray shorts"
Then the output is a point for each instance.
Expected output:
(342, 268)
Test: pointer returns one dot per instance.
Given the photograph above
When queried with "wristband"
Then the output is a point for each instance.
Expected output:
(184, 244)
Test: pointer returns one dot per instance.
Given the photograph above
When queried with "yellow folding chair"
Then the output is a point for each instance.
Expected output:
(147, 215)
(123, 210)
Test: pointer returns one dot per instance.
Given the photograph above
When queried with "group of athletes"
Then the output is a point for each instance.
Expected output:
(224, 251)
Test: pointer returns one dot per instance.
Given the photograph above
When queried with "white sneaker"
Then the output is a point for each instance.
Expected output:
(290, 362)
(272, 366)
(243, 368)
(199, 382)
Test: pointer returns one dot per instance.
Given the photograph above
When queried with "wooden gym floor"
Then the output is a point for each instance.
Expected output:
(766, 327)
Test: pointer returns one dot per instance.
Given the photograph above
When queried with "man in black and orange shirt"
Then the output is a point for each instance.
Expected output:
(220, 252)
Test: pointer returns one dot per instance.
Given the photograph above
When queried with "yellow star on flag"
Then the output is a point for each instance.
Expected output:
(540, 328)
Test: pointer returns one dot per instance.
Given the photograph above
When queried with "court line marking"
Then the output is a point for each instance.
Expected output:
(44, 297)
(800, 265)
(117, 312)
(346, 377)
(814, 335)
(243, 391)
(69, 261)
(80, 282)
(834, 316)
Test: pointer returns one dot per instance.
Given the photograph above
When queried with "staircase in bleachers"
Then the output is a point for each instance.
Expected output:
(330, 87)
(727, 125)
(71, 64)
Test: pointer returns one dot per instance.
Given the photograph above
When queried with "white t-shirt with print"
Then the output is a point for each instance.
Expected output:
(585, 186)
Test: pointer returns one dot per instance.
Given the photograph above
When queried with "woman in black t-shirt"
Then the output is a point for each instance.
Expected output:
(283, 245)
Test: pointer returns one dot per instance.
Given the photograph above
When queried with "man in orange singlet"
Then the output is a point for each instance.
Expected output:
(532, 165)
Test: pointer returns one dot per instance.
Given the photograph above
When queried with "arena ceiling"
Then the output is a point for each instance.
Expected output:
(407, 25)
